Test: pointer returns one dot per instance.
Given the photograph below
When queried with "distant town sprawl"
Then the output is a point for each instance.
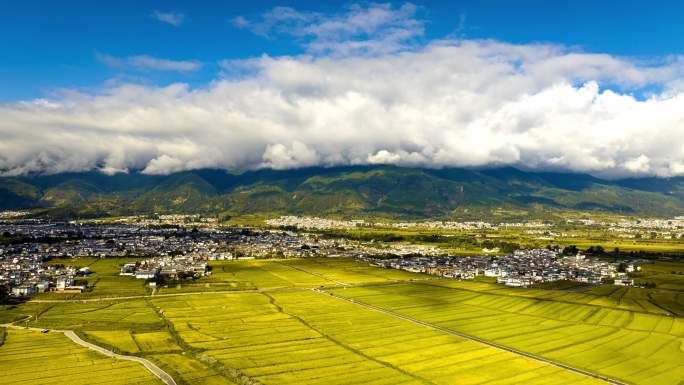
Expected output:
(624, 228)
(520, 268)
(173, 247)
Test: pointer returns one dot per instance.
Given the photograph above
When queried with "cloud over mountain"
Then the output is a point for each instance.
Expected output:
(439, 103)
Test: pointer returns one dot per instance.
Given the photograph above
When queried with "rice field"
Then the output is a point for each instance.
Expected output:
(101, 315)
(285, 333)
(618, 297)
(120, 341)
(622, 343)
(287, 273)
(157, 342)
(186, 370)
(30, 357)
(104, 280)
(303, 337)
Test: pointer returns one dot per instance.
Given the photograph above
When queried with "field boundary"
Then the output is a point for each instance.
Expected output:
(471, 338)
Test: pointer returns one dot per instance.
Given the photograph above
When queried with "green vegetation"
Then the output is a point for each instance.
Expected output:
(30, 357)
(104, 280)
(386, 191)
(266, 325)
(663, 275)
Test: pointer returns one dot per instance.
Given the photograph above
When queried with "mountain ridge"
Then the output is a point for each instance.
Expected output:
(348, 190)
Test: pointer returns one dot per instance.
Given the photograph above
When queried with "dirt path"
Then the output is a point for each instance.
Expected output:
(471, 338)
(154, 369)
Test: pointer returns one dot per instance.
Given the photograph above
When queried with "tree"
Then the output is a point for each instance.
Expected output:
(3, 293)
(570, 250)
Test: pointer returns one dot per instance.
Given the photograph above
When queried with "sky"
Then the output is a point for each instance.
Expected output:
(166, 86)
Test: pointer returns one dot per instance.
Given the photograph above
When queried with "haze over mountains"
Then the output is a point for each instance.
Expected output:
(352, 191)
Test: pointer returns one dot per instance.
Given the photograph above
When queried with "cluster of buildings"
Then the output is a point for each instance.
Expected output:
(30, 243)
(315, 223)
(176, 246)
(167, 267)
(635, 228)
(71, 240)
(521, 268)
(163, 220)
(284, 244)
(25, 275)
(649, 228)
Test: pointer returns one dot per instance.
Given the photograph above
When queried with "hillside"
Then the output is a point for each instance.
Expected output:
(364, 190)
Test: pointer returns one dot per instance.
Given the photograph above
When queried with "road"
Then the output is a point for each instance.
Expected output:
(471, 338)
(154, 369)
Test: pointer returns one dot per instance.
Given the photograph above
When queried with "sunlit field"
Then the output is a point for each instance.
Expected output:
(307, 337)
(271, 327)
(627, 341)
(30, 357)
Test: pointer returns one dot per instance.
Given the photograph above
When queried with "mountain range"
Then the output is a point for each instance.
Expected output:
(341, 191)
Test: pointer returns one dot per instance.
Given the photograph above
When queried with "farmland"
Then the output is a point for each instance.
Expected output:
(104, 280)
(30, 357)
(630, 344)
(259, 320)
(307, 337)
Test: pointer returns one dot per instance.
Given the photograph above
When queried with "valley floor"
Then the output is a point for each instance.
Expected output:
(275, 322)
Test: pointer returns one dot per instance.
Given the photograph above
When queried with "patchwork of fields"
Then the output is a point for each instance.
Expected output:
(267, 325)
(29, 357)
(635, 347)
(305, 337)
(291, 273)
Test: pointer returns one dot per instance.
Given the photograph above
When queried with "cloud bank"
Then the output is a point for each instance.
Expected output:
(449, 103)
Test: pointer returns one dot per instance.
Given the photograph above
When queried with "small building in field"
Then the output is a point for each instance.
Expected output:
(624, 281)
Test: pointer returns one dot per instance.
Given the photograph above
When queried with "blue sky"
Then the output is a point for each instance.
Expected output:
(165, 86)
(48, 44)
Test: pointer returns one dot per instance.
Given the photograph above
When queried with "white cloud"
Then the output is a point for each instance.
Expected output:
(384, 157)
(447, 103)
(375, 28)
(173, 18)
(640, 164)
(149, 63)
(240, 22)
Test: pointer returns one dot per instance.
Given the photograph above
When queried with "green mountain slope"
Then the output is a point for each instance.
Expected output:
(363, 190)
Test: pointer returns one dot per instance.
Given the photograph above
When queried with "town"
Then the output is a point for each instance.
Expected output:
(522, 268)
(178, 247)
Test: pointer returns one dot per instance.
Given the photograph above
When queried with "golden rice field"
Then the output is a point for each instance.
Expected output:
(120, 341)
(627, 344)
(101, 315)
(186, 370)
(286, 333)
(30, 357)
(270, 274)
(304, 337)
